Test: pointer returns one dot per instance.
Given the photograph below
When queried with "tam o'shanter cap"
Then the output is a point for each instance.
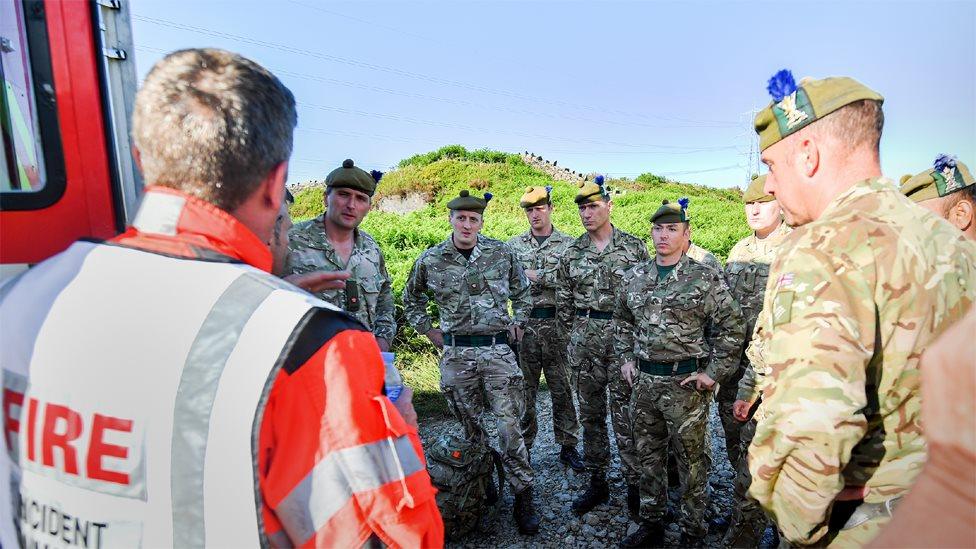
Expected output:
(672, 213)
(947, 176)
(536, 196)
(795, 107)
(348, 176)
(755, 192)
(592, 192)
(464, 201)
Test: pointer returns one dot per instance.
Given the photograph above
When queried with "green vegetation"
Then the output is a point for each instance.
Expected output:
(718, 222)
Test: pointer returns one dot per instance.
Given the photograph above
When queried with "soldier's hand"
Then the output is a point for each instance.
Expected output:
(740, 410)
(702, 381)
(532, 274)
(436, 337)
(404, 405)
(383, 344)
(516, 333)
(319, 281)
(628, 371)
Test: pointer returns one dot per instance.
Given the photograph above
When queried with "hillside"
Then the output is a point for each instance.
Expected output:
(718, 222)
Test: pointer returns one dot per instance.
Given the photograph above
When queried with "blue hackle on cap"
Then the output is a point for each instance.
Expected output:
(781, 85)
(943, 161)
(683, 202)
(548, 189)
(598, 180)
(488, 197)
(377, 175)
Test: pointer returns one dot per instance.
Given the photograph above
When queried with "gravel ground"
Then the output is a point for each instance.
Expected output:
(556, 485)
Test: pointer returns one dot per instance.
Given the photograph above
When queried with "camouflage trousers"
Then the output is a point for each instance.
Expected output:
(731, 426)
(543, 349)
(748, 518)
(478, 379)
(597, 372)
(663, 412)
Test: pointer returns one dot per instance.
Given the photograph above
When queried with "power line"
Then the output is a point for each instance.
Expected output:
(407, 74)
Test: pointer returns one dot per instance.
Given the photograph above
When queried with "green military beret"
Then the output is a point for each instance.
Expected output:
(796, 107)
(947, 176)
(348, 176)
(755, 191)
(536, 196)
(592, 192)
(464, 201)
(672, 213)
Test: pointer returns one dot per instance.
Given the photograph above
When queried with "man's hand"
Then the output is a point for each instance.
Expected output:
(702, 381)
(436, 337)
(384, 344)
(404, 405)
(740, 410)
(629, 372)
(319, 281)
(532, 274)
(515, 333)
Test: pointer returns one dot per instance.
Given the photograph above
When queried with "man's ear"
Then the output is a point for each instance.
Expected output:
(808, 160)
(272, 188)
(137, 157)
(963, 214)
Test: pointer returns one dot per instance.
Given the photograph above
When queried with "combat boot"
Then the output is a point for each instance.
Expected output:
(633, 499)
(596, 493)
(571, 457)
(524, 511)
(648, 534)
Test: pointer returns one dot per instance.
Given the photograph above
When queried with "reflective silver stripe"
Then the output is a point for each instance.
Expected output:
(333, 481)
(205, 362)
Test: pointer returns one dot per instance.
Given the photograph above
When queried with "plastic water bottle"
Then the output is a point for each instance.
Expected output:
(392, 380)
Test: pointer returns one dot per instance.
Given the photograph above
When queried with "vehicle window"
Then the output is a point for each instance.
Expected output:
(22, 161)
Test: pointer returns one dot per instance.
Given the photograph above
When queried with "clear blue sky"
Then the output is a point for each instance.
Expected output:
(613, 87)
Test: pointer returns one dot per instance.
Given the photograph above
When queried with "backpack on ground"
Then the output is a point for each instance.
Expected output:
(462, 473)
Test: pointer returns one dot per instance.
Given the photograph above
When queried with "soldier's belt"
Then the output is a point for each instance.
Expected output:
(461, 340)
(870, 511)
(591, 313)
(543, 312)
(678, 367)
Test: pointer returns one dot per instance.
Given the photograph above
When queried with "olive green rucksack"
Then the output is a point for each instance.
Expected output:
(462, 473)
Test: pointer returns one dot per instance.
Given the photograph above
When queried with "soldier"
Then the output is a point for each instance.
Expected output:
(866, 282)
(312, 282)
(543, 347)
(472, 279)
(590, 271)
(747, 270)
(949, 190)
(334, 242)
(663, 309)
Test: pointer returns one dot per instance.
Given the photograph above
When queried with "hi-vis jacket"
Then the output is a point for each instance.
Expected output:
(164, 390)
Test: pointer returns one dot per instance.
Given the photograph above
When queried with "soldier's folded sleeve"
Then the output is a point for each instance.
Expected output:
(749, 387)
(518, 285)
(385, 325)
(415, 297)
(623, 325)
(818, 340)
(727, 329)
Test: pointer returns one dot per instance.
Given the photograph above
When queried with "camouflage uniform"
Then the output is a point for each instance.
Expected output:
(309, 250)
(747, 271)
(588, 279)
(543, 346)
(702, 255)
(472, 296)
(665, 322)
(853, 300)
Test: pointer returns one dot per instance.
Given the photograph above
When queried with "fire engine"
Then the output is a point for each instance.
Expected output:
(66, 169)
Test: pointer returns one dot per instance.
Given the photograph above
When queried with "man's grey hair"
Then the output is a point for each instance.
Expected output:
(212, 124)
